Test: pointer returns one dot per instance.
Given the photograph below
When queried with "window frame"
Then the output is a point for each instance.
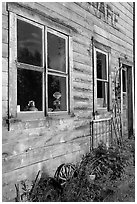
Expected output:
(13, 64)
(26, 66)
(56, 72)
(102, 80)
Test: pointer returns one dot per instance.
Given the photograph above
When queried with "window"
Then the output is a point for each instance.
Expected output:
(124, 86)
(57, 64)
(101, 79)
(42, 68)
(30, 66)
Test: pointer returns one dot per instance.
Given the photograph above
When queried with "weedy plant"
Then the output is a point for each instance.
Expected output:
(97, 174)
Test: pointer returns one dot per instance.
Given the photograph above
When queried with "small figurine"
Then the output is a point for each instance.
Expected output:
(31, 106)
(57, 102)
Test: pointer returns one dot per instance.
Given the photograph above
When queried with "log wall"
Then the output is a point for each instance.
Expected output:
(46, 143)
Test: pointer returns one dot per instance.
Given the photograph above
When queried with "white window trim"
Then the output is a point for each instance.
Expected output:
(104, 80)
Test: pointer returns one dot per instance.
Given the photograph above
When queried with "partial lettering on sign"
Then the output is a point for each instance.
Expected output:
(105, 12)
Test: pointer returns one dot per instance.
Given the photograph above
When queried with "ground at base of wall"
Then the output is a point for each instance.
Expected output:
(126, 186)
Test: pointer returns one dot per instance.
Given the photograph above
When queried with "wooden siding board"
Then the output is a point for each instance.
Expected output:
(80, 48)
(4, 64)
(4, 50)
(4, 93)
(128, 6)
(40, 154)
(4, 10)
(35, 137)
(124, 13)
(69, 14)
(4, 21)
(115, 41)
(79, 95)
(49, 9)
(125, 10)
(4, 36)
(82, 77)
(119, 49)
(4, 109)
(5, 78)
(80, 67)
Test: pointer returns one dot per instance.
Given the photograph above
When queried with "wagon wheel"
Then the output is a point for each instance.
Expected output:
(64, 173)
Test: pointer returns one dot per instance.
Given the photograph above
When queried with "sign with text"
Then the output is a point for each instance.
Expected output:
(105, 12)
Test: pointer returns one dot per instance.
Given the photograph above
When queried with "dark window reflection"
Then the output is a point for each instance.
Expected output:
(56, 52)
(56, 93)
(29, 43)
(29, 88)
(102, 93)
(101, 66)
(124, 80)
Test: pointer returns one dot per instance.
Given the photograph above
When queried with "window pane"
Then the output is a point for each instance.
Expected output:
(102, 94)
(29, 88)
(124, 80)
(101, 66)
(57, 93)
(29, 43)
(56, 52)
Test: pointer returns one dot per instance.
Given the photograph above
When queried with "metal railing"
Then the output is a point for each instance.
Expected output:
(106, 130)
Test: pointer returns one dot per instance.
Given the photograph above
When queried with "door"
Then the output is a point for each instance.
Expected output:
(126, 100)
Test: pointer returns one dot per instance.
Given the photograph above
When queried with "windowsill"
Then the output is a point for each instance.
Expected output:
(102, 113)
(36, 120)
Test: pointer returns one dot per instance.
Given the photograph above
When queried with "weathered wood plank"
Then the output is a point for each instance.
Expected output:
(128, 6)
(124, 9)
(4, 93)
(4, 10)
(4, 35)
(124, 13)
(82, 58)
(58, 16)
(80, 67)
(82, 40)
(5, 21)
(83, 96)
(4, 78)
(40, 154)
(4, 50)
(113, 38)
(83, 86)
(82, 105)
(72, 16)
(82, 77)
(4, 108)
(4, 64)
(79, 48)
(33, 139)
(117, 48)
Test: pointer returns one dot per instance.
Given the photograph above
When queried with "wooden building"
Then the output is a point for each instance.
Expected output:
(59, 62)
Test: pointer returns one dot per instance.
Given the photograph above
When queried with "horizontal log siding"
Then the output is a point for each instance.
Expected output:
(45, 144)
